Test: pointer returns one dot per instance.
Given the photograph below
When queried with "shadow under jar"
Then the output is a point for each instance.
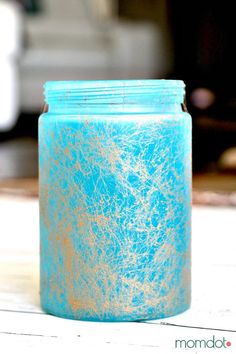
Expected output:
(115, 200)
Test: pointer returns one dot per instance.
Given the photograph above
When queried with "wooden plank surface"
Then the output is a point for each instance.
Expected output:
(24, 328)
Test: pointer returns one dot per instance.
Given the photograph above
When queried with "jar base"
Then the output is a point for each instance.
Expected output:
(122, 318)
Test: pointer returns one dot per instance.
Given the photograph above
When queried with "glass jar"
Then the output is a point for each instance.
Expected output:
(115, 200)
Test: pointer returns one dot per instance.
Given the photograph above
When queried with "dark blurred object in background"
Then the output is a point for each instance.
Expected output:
(31, 6)
(203, 39)
(19, 149)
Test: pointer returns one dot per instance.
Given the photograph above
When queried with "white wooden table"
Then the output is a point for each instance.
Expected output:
(24, 328)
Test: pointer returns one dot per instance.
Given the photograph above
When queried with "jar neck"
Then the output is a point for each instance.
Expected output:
(114, 96)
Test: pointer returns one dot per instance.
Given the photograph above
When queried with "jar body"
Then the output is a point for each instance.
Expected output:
(115, 199)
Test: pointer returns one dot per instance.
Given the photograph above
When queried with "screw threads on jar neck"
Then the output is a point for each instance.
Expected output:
(109, 96)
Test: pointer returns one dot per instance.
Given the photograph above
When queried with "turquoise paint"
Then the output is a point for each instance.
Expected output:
(115, 200)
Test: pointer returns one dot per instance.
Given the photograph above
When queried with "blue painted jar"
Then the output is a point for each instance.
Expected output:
(115, 200)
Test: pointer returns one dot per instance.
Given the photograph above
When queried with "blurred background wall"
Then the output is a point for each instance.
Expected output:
(44, 40)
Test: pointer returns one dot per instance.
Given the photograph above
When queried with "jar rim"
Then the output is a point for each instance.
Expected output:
(116, 84)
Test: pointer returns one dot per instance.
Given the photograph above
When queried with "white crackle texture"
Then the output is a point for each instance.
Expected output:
(115, 195)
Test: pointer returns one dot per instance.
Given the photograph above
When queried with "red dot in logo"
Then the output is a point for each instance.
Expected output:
(228, 344)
